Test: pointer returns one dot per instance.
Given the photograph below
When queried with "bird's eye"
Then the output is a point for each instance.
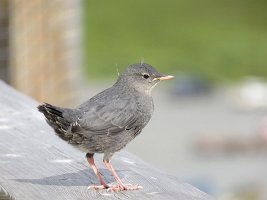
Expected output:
(146, 76)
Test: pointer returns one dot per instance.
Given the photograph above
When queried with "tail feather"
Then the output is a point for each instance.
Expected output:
(54, 117)
(60, 119)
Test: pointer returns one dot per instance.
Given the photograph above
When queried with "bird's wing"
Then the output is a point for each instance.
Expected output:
(110, 118)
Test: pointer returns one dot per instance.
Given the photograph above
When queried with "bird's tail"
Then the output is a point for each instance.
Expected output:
(54, 117)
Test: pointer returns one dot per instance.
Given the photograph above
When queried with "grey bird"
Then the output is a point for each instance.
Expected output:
(110, 120)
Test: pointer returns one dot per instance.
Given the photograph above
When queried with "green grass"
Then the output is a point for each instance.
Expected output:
(223, 40)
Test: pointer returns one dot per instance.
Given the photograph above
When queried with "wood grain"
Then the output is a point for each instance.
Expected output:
(36, 164)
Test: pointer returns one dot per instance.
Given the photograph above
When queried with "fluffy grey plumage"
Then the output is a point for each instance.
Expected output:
(111, 119)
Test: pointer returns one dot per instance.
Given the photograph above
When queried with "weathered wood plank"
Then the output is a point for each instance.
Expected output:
(36, 164)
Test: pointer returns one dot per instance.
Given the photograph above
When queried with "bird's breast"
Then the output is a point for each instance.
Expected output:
(146, 108)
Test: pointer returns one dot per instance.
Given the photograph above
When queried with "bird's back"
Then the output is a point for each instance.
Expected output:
(111, 119)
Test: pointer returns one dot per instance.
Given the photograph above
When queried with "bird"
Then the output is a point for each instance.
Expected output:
(108, 121)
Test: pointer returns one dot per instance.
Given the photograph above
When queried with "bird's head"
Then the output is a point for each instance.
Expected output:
(142, 77)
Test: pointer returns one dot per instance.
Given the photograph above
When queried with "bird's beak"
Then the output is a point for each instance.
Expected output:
(164, 77)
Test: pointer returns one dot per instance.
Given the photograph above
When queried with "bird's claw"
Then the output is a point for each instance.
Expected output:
(116, 188)
(97, 187)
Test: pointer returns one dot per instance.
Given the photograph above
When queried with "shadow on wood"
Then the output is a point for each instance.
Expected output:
(36, 164)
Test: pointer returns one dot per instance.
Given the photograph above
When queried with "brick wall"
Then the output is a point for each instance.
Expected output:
(45, 49)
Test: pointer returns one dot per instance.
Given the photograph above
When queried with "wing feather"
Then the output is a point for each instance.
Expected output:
(112, 118)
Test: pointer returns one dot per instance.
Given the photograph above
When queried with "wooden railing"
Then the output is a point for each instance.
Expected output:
(36, 164)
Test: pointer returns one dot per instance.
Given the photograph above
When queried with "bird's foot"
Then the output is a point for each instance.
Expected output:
(98, 187)
(116, 188)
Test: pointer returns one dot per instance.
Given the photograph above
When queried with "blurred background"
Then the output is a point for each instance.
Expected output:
(210, 123)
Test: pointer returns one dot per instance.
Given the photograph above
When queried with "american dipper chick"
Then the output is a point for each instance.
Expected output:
(108, 121)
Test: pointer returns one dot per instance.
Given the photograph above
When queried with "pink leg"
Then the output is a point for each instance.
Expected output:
(120, 185)
(91, 162)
